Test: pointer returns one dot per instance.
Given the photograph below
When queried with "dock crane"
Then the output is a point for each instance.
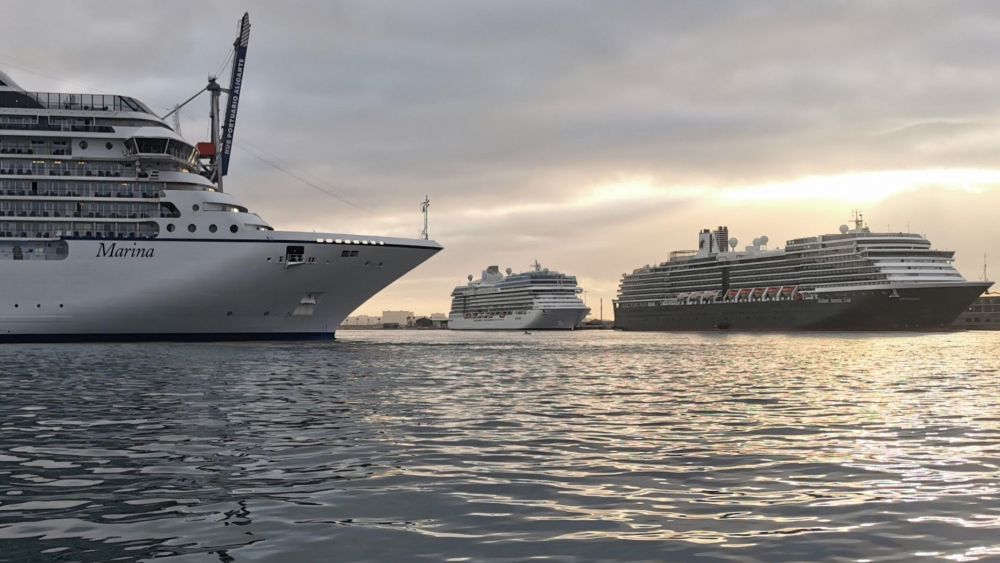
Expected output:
(217, 152)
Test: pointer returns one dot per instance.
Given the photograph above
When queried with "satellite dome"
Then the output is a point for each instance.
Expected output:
(764, 239)
(733, 242)
(470, 277)
(756, 241)
(843, 229)
(509, 271)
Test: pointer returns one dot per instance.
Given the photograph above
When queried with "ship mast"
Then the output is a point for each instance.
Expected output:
(424, 206)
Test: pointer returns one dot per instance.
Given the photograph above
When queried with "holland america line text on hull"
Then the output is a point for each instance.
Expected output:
(113, 227)
(852, 280)
(539, 299)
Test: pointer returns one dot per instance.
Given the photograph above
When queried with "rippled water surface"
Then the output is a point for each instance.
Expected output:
(595, 445)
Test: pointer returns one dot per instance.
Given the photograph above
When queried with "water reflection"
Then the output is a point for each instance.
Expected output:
(433, 445)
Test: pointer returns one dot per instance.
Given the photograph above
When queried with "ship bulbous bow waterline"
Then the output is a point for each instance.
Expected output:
(852, 280)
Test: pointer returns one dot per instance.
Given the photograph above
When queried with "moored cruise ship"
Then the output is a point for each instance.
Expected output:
(539, 299)
(114, 227)
(852, 280)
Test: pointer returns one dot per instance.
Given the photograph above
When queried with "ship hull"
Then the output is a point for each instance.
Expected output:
(197, 289)
(534, 319)
(902, 308)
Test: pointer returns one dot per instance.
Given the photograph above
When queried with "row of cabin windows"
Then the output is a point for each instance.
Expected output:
(99, 169)
(42, 229)
(59, 188)
(985, 308)
(21, 145)
(87, 209)
(21, 167)
(16, 126)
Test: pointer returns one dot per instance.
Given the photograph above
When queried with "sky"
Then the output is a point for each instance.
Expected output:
(595, 137)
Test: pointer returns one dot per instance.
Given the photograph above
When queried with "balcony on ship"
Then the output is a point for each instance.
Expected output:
(80, 189)
(77, 228)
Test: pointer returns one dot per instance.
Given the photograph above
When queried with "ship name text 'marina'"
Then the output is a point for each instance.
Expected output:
(114, 251)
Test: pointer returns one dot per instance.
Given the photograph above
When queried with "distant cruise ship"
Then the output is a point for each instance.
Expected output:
(113, 227)
(854, 280)
(537, 300)
(982, 314)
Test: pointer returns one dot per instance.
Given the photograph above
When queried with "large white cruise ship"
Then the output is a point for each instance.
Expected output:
(856, 279)
(113, 227)
(539, 299)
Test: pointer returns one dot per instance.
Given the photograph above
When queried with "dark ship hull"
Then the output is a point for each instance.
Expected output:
(903, 308)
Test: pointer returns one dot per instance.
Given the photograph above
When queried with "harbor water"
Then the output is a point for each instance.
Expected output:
(443, 446)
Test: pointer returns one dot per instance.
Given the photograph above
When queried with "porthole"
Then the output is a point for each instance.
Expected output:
(170, 227)
(84, 145)
(39, 306)
(233, 228)
(109, 146)
(229, 314)
(195, 207)
(212, 228)
(192, 228)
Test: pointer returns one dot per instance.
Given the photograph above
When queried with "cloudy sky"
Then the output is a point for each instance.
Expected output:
(593, 136)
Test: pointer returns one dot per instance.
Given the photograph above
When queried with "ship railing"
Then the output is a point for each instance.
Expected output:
(85, 102)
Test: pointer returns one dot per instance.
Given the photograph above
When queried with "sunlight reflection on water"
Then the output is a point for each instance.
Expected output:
(404, 445)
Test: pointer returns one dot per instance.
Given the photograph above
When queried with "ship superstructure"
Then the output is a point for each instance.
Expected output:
(537, 299)
(856, 279)
(113, 227)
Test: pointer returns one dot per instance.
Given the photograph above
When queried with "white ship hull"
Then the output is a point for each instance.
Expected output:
(534, 319)
(198, 289)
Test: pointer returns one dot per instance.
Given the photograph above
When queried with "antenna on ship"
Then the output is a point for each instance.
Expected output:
(424, 206)
(984, 267)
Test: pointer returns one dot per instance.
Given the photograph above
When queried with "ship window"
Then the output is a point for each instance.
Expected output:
(233, 228)
(152, 146)
(83, 145)
(195, 207)
(109, 146)
(212, 228)
(192, 228)
(170, 227)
